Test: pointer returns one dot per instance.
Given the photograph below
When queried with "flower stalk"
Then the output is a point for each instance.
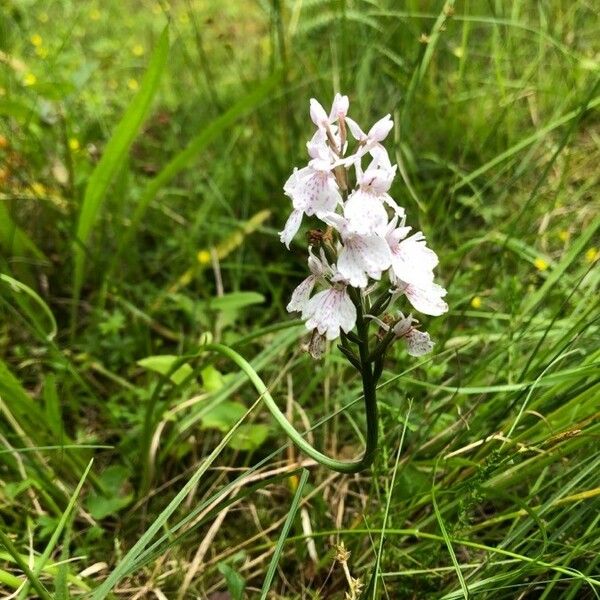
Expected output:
(361, 263)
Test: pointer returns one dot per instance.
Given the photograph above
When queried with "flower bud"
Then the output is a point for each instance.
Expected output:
(339, 108)
(379, 131)
(316, 346)
(318, 114)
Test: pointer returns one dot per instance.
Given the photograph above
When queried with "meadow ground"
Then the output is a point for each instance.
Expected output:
(141, 173)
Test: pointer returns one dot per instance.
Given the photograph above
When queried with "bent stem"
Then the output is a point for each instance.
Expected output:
(369, 386)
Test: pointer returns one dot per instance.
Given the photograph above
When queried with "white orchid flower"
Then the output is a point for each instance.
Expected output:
(362, 242)
(319, 270)
(365, 207)
(313, 190)
(417, 342)
(412, 260)
(361, 255)
(330, 311)
(339, 110)
(426, 297)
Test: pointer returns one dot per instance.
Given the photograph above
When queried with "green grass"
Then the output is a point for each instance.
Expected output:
(141, 195)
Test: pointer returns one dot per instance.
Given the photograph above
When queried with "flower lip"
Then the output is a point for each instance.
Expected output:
(329, 312)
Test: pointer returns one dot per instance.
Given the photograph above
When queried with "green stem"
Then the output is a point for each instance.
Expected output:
(352, 466)
(369, 382)
(35, 582)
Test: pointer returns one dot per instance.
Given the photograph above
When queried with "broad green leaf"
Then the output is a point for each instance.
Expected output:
(163, 363)
(212, 380)
(236, 300)
(223, 416)
(112, 500)
(236, 584)
(114, 155)
(101, 507)
(250, 437)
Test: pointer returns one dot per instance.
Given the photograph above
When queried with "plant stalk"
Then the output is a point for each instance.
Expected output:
(369, 385)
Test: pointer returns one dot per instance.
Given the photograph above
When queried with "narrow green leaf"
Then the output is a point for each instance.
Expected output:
(114, 154)
(558, 272)
(20, 290)
(283, 535)
(31, 577)
(13, 239)
(39, 565)
(440, 520)
(130, 558)
(181, 160)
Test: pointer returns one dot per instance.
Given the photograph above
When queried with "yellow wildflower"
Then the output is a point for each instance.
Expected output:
(39, 189)
(476, 302)
(29, 79)
(564, 235)
(132, 84)
(138, 50)
(540, 264)
(36, 40)
(95, 14)
(592, 255)
(74, 144)
(203, 257)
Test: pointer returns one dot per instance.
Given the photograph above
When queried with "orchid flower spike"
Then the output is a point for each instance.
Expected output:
(361, 261)
(366, 248)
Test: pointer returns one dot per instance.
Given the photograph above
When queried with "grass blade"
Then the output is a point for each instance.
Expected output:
(17, 288)
(59, 528)
(130, 558)
(196, 145)
(283, 535)
(448, 541)
(112, 158)
(33, 579)
(13, 239)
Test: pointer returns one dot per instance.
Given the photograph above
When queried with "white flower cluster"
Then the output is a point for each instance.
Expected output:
(365, 236)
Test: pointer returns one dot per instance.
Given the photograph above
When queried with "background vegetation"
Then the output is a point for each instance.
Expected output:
(140, 176)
